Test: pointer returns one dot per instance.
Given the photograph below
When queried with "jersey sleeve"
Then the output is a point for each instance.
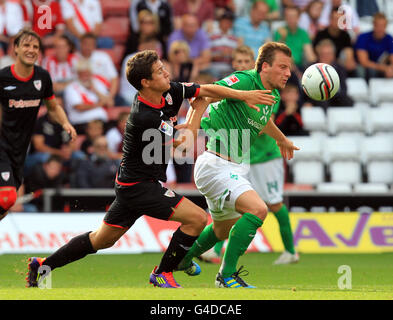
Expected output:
(48, 88)
(238, 81)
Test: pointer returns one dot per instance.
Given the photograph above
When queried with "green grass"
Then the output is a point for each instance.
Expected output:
(120, 277)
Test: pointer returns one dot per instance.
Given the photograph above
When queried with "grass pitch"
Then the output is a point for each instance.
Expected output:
(126, 277)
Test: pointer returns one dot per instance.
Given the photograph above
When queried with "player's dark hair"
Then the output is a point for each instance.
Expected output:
(139, 67)
(267, 53)
(26, 33)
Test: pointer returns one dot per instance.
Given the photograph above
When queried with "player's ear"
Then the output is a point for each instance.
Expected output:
(145, 83)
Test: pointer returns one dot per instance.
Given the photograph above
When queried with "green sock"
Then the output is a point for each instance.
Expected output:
(218, 247)
(240, 237)
(206, 240)
(282, 216)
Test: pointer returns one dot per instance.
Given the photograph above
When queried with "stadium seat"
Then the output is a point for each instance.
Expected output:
(341, 148)
(380, 171)
(115, 8)
(308, 172)
(310, 148)
(358, 89)
(377, 147)
(381, 89)
(332, 187)
(370, 188)
(113, 113)
(314, 118)
(379, 119)
(116, 28)
(344, 119)
(345, 171)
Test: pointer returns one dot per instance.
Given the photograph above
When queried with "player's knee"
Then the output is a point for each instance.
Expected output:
(260, 211)
(8, 197)
(199, 220)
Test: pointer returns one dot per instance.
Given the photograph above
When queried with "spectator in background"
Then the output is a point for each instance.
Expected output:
(115, 136)
(342, 41)
(253, 29)
(127, 91)
(222, 44)
(202, 10)
(326, 54)
(366, 7)
(9, 56)
(45, 18)
(148, 29)
(374, 49)
(50, 139)
(351, 21)
(84, 16)
(102, 67)
(310, 19)
(45, 175)
(296, 39)
(84, 98)
(61, 65)
(301, 4)
(243, 58)
(11, 21)
(98, 170)
(274, 9)
(180, 66)
(196, 38)
(160, 8)
(93, 130)
(288, 118)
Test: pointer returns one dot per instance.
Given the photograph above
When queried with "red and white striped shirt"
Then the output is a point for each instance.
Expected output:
(61, 71)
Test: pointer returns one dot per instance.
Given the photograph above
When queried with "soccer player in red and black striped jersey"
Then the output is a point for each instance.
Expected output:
(149, 136)
(23, 88)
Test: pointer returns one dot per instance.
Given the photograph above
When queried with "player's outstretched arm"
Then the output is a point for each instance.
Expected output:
(286, 146)
(57, 113)
(251, 97)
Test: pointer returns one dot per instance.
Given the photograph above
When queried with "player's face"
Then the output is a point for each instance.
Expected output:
(279, 72)
(160, 77)
(242, 62)
(28, 51)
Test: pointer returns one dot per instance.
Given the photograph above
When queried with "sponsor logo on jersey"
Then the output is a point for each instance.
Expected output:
(9, 88)
(37, 84)
(168, 99)
(24, 103)
(188, 84)
(231, 80)
(5, 175)
(255, 124)
(166, 128)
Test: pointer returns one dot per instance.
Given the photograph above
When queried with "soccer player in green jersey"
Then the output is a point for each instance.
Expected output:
(266, 175)
(221, 171)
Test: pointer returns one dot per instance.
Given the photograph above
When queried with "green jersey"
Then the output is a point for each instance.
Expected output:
(265, 147)
(232, 126)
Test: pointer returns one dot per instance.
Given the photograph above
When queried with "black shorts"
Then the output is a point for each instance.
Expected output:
(143, 198)
(9, 175)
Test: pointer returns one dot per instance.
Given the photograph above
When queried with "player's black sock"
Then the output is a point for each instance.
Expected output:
(177, 249)
(75, 249)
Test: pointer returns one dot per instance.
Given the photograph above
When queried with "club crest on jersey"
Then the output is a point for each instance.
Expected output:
(231, 80)
(168, 99)
(169, 193)
(37, 84)
(5, 175)
(166, 128)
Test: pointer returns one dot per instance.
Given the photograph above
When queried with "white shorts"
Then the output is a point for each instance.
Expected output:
(221, 182)
(267, 178)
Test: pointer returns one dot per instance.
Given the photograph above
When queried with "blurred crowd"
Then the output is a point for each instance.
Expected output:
(199, 41)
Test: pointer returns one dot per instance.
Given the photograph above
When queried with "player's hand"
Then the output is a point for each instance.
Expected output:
(254, 97)
(287, 148)
(70, 130)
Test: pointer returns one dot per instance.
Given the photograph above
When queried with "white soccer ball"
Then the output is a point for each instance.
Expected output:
(320, 81)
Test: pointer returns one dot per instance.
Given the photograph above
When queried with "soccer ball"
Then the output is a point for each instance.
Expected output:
(320, 81)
